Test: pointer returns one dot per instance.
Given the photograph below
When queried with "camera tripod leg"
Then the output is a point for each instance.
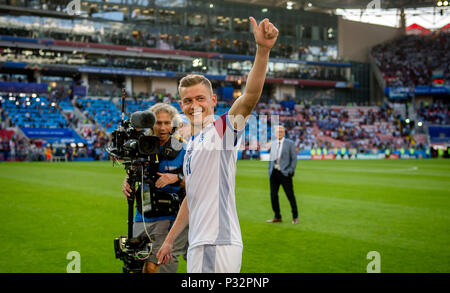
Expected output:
(130, 216)
(131, 200)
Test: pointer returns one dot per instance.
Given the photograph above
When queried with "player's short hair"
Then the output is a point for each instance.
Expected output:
(194, 79)
(169, 109)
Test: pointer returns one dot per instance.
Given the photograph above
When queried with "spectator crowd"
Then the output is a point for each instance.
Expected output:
(437, 112)
(366, 130)
(412, 60)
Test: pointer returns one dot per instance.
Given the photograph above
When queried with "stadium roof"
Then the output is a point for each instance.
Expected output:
(344, 4)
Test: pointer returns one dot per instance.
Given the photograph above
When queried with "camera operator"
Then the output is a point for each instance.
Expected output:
(170, 180)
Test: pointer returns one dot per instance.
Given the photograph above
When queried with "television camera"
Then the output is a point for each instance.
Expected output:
(139, 155)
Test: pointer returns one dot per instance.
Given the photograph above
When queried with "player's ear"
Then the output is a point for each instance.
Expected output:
(181, 105)
(214, 100)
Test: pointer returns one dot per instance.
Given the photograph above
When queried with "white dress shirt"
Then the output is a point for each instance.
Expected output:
(280, 147)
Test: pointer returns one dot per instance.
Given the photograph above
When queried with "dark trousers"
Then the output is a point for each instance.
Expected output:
(276, 179)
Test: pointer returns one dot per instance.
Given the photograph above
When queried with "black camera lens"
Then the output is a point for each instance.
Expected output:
(149, 145)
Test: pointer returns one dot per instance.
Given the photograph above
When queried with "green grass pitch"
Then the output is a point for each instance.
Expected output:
(347, 209)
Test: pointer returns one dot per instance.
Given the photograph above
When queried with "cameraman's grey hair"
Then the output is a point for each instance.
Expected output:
(176, 121)
(169, 109)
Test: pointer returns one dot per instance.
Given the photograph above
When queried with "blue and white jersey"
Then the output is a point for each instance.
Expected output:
(165, 166)
(210, 169)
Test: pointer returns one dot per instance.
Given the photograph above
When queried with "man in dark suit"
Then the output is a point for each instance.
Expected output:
(282, 164)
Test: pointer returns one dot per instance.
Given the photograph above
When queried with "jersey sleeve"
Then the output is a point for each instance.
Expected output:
(230, 136)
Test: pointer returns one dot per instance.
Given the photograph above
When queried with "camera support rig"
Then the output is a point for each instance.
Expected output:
(135, 149)
(133, 251)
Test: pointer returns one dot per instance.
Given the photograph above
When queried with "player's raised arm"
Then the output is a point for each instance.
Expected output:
(265, 37)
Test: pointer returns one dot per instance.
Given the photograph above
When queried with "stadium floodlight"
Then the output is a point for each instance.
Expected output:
(309, 4)
(445, 3)
(73, 144)
(264, 10)
(211, 5)
(289, 5)
(80, 144)
(439, 3)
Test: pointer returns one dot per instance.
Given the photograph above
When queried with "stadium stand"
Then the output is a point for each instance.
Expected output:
(411, 60)
(313, 127)
(435, 113)
(310, 69)
(163, 41)
(363, 128)
(101, 111)
(33, 112)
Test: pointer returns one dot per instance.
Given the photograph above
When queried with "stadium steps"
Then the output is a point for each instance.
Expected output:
(318, 135)
(334, 142)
